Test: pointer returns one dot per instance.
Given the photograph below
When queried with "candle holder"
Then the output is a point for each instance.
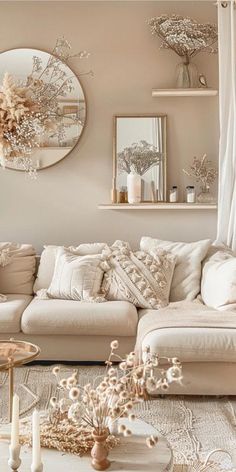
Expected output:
(37, 468)
(14, 461)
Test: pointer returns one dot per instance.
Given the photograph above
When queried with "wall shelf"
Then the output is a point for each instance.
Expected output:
(157, 206)
(188, 92)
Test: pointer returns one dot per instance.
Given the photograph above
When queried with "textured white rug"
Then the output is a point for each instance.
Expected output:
(194, 426)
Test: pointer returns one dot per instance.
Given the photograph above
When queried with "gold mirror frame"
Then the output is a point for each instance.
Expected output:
(143, 115)
(85, 103)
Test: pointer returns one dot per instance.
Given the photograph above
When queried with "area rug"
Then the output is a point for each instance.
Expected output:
(193, 426)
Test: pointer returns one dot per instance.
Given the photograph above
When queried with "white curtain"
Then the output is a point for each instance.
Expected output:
(226, 231)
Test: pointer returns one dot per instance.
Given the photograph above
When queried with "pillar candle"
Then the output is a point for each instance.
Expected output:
(36, 451)
(15, 423)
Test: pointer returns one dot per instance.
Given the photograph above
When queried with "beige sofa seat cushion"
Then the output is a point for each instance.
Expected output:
(194, 344)
(11, 312)
(64, 317)
(18, 275)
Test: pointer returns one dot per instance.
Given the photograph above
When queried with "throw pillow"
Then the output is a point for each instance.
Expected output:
(77, 277)
(48, 258)
(17, 268)
(137, 277)
(218, 287)
(187, 273)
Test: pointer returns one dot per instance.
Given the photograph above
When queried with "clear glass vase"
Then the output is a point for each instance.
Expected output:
(186, 74)
(206, 197)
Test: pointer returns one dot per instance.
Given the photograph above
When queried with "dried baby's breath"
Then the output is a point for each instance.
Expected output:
(79, 411)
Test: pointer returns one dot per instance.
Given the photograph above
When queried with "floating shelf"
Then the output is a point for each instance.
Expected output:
(188, 92)
(157, 206)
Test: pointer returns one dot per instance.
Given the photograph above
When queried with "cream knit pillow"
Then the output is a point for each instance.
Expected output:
(77, 277)
(139, 278)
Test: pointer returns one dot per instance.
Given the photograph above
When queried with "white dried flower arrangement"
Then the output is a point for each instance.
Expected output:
(79, 411)
(185, 36)
(139, 157)
(202, 171)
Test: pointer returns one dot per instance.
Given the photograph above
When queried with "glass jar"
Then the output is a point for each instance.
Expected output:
(123, 195)
(190, 194)
(173, 194)
(186, 74)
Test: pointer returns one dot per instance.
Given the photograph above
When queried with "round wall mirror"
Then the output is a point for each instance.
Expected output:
(57, 107)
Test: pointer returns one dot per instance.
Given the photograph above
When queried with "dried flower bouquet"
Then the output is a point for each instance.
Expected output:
(139, 157)
(185, 36)
(202, 171)
(79, 412)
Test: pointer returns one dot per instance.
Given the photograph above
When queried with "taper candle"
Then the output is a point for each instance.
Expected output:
(36, 450)
(15, 422)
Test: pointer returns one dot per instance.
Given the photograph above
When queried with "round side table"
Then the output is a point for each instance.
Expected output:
(130, 455)
(15, 353)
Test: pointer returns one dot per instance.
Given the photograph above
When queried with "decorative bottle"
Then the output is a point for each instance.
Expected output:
(173, 195)
(190, 194)
(134, 187)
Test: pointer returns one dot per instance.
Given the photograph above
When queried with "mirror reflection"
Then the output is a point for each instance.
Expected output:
(60, 99)
(140, 148)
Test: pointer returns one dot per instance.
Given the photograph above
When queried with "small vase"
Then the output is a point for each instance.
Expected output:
(134, 184)
(186, 74)
(205, 196)
(99, 451)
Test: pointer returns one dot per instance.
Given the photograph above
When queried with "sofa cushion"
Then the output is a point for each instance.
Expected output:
(187, 273)
(218, 285)
(138, 277)
(77, 277)
(11, 312)
(18, 275)
(194, 344)
(80, 318)
(48, 259)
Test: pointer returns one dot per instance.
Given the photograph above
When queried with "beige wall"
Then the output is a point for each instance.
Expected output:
(61, 206)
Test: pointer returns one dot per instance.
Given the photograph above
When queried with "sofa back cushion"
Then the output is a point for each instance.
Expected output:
(218, 287)
(48, 259)
(187, 273)
(17, 272)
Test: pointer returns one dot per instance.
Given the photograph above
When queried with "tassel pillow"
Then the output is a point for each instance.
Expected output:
(138, 277)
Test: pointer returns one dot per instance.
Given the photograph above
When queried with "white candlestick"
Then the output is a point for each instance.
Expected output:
(36, 450)
(15, 423)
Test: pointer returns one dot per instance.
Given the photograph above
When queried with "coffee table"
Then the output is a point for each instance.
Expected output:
(14, 353)
(130, 455)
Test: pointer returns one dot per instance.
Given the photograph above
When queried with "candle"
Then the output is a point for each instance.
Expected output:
(36, 451)
(15, 423)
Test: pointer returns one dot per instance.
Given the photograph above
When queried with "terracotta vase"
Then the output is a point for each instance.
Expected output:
(99, 451)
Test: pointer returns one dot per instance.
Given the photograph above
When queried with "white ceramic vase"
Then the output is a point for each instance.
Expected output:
(134, 182)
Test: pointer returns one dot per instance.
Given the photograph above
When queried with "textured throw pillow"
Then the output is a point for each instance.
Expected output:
(187, 273)
(137, 277)
(48, 258)
(77, 277)
(17, 268)
(218, 287)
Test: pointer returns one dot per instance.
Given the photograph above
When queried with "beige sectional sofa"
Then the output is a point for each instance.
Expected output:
(68, 330)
